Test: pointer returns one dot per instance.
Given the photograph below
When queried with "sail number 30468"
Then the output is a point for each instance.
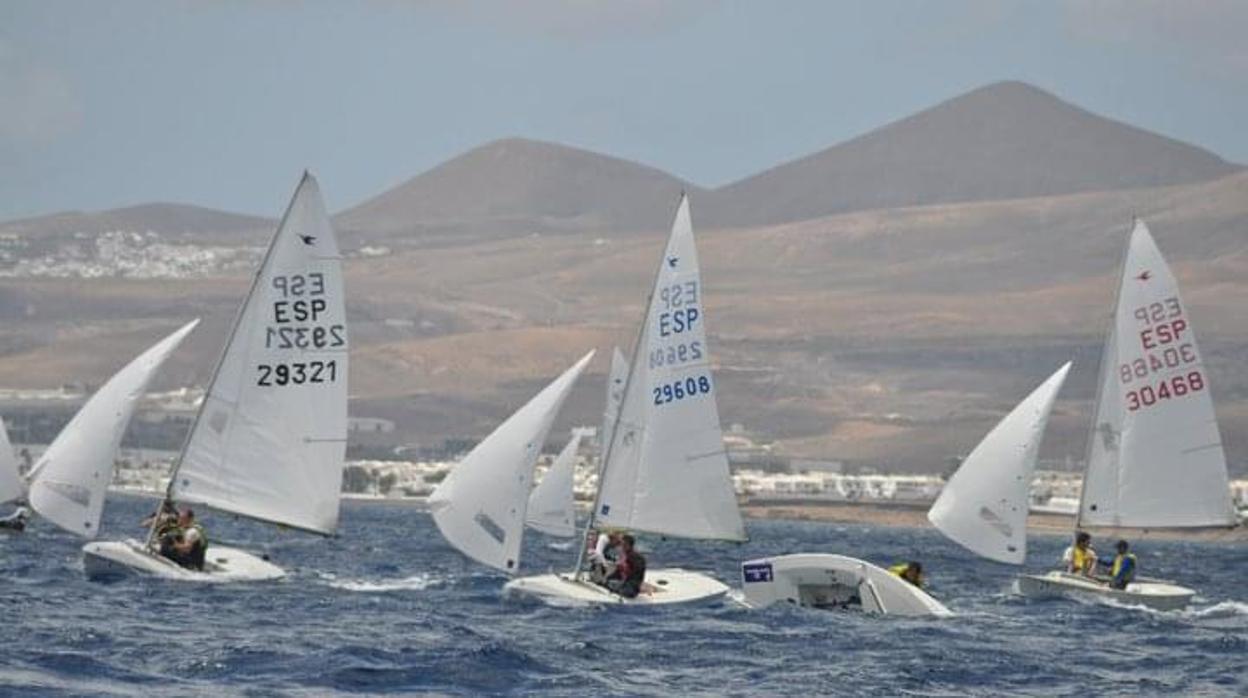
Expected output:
(681, 389)
(297, 373)
(1174, 387)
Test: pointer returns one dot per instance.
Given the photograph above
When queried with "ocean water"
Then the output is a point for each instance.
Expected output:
(389, 608)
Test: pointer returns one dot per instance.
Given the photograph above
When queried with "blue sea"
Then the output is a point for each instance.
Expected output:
(389, 608)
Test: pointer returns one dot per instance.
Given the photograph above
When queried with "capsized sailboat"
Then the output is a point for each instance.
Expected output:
(269, 440)
(664, 470)
(69, 482)
(833, 582)
(984, 505)
(1155, 455)
(481, 506)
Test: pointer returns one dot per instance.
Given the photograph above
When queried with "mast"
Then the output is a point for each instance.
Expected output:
(1100, 375)
(619, 412)
(225, 349)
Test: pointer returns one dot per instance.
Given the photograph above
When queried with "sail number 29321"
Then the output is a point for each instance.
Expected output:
(297, 373)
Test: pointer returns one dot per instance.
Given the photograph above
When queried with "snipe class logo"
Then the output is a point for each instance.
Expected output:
(1144, 275)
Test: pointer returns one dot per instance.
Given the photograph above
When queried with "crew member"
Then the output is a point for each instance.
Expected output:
(1080, 558)
(603, 558)
(1122, 567)
(17, 520)
(910, 571)
(630, 571)
(187, 543)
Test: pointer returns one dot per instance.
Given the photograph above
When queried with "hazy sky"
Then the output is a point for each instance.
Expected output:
(222, 103)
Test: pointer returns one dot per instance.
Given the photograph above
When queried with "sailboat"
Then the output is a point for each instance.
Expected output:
(984, 505)
(269, 439)
(11, 485)
(664, 470)
(480, 508)
(552, 506)
(69, 482)
(1155, 455)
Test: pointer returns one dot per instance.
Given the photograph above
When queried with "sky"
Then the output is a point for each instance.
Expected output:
(224, 103)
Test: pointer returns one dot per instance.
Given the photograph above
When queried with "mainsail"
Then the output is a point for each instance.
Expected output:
(71, 477)
(666, 471)
(1155, 455)
(984, 505)
(552, 508)
(480, 507)
(11, 486)
(270, 438)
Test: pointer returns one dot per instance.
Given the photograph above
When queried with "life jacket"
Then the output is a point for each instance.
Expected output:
(899, 570)
(1082, 559)
(203, 535)
(1118, 560)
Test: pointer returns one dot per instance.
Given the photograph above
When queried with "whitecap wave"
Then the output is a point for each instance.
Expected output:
(418, 582)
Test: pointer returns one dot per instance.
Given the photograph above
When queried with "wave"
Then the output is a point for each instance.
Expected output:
(418, 582)
(1222, 609)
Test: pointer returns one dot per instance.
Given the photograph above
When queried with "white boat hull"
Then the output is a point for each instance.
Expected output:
(113, 559)
(1161, 596)
(663, 587)
(826, 581)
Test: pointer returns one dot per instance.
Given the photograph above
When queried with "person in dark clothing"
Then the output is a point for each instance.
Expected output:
(186, 544)
(630, 570)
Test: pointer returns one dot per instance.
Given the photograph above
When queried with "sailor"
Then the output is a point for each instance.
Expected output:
(910, 571)
(186, 543)
(1122, 567)
(603, 557)
(630, 570)
(163, 520)
(17, 520)
(1080, 558)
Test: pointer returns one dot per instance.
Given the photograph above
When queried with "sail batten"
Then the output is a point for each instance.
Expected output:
(282, 378)
(1155, 455)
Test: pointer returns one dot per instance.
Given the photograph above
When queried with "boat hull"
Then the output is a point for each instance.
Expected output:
(834, 582)
(105, 560)
(664, 587)
(1161, 596)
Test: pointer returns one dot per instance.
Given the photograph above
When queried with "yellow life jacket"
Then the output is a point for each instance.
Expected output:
(1083, 559)
(899, 570)
(1118, 564)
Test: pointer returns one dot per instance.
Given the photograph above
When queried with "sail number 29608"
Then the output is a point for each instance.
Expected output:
(297, 373)
(681, 389)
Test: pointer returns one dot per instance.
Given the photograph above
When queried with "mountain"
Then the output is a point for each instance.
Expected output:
(175, 221)
(1006, 140)
(517, 186)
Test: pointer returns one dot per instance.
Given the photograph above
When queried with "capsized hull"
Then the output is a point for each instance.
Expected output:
(1161, 596)
(104, 560)
(665, 587)
(818, 580)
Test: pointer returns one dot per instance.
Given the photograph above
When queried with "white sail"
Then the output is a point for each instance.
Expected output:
(480, 507)
(615, 395)
(72, 476)
(1155, 457)
(11, 486)
(666, 469)
(552, 509)
(270, 437)
(984, 505)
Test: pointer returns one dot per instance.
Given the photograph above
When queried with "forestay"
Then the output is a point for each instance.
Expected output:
(1155, 457)
(984, 505)
(552, 509)
(11, 486)
(480, 507)
(270, 437)
(71, 478)
(666, 470)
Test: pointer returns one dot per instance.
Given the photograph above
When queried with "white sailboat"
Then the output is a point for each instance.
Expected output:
(269, 440)
(1155, 455)
(664, 469)
(552, 506)
(833, 582)
(11, 485)
(984, 505)
(68, 484)
(480, 508)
